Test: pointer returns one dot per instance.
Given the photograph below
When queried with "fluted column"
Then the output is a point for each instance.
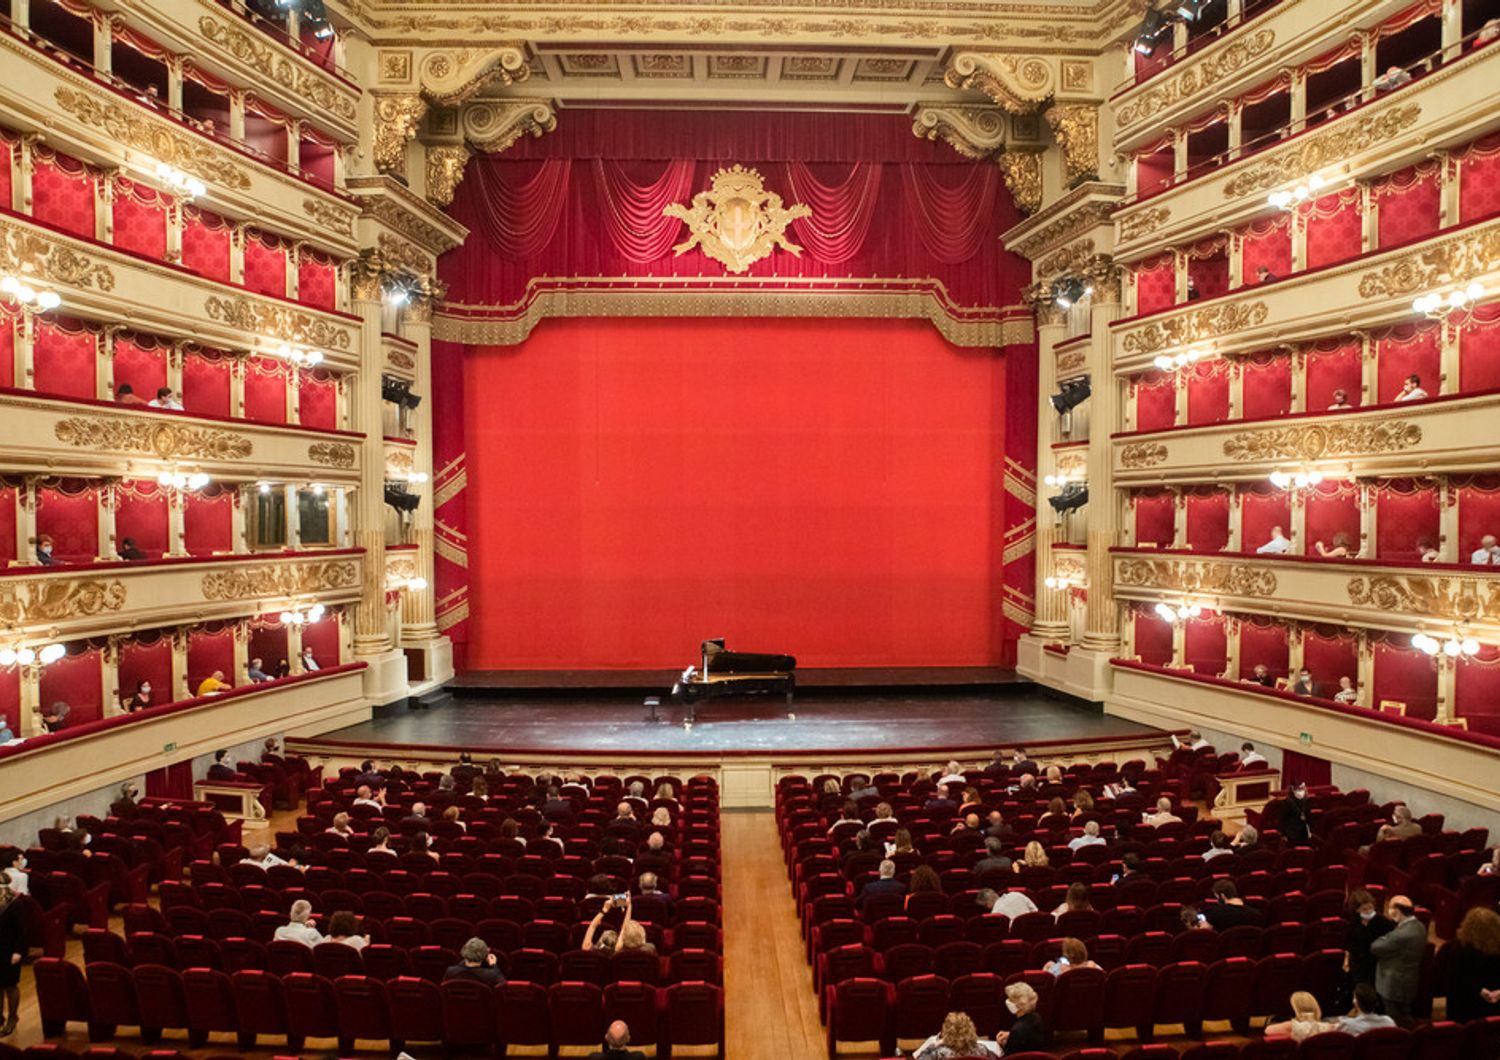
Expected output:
(1102, 630)
(368, 511)
(1051, 614)
(418, 610)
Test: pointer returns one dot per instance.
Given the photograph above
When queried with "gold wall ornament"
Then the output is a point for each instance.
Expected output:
(456, 75)
(1142, 454)
(493, 126)
(974, 132)
(1450, 598)
(1071, 361)
(167, 441)
(397, 115)
(445, 168)
(256, 50)
(1457, 260)
(279, 322)
(279, 579)
(1071, 258)
(1135, 225)
(130, 127)
(1312, 153)
(1076, 129)
(1317, 441)
(399, 254)
(401, 359)
(29, 252)
(386, 207)
(333, 454)
(1196, 576)
(338, 221)
(737, 221)
(1196, 326)
(1020, 84)
(1195, 78)
(30, 601)
(1022, 171)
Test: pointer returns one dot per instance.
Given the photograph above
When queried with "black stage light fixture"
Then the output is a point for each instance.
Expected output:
(1069, 291)
(1189, 10)
(1071, 394)
(1153, 26)
(393, 389)
(1074, 495)
(411, 400)
(398, 498)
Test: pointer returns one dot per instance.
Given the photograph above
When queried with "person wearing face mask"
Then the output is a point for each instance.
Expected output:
(6, 733)
(125, 805)
(16, 877)
(1363, 925)
(140, 699)
(1296, 822)
(1027, 1033)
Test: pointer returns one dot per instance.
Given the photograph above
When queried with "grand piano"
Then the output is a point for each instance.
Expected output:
(733, 673)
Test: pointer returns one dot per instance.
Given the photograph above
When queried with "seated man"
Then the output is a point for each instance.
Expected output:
(1250, 758)
(299, 926)
(1263, 274)
(1340, 400)
(1228, 909)
(44, 551)
(165, 399)
(1401, 827)
(129, 551)
(1302, 683)
(886, 884)
(55, 717)
(1013, 903)
(261, 855)
(1347, 693)
(221, 769)
(476, 962)
(125, 395)
(616, 1041)
(363, 796)
(1411, 387)
(1194, 741)
(257, 672)
(1163, 814)
(1279, 544)
(1365, 1015)
(1218, 846)
(1487, 554)
(994, 856)
(213, 684)
(1394, 77)
(1090, 837)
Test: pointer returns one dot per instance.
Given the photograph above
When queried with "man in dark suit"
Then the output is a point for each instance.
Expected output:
(655, 857)
(1296, 819)
(996, 828)
(1229, 910)
(476, 963)
(556, 806)
(546, 842)
(616, 1041)
(221, 769)
(940, 806)
(1398, 959)
(997, 767)
(886, 884)
(1019, 763)
(417, 819)
(994, 857)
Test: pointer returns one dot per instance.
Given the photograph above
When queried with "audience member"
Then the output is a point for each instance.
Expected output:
(953, 773)
(450, 816)
(129, 551)
(221, 769)
(364, 796)
(1398, 959)
(1090, 837)
(1340, 400)
(309, 664)
(1278, 545)
(476, 962)
(1492, 866)
(343, 927)
(1074, 955)
(262, 855)
(128, 802)
(1246, 840)
(997, 827)
(1264, 274)
(1027, 1033)
(886, 883)
(924, 880)
(1366, 1014)
(380, 842)
(1296, 823)
(1474, 971)
(6, 735)
(1393, 78)
(1307, 1019)
(1347, 693)
(1013, 903)
(1034, 856)
(1302, 683)
(1226, 909)
(616, 1041)
(958, 1039)
(1427, 550)
(140, 699)
(299, 926)
(1163, 814)
(1260, 675)
(213, 684)
(1194, 741)
(1218, 846)
(997, 767)
(1411, 389)
(994, 860)
(125, 395)
(421, 843)
(55, 717)
(165, 399)
(1076, 900)
(1401, 827)
(1192, 919)
(340, 826)
(1363, 924)
(16, 876)
(939, 804)
(14, 945)
(1487, 554)
(1057, 814)
(1020, 764)
(44, 551)
(1488, 34)
(1083, 803)
(1250, 758)
(1342, 547)
(256, 672)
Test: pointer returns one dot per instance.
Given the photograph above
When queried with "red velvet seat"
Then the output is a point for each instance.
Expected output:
(85, 904)
(1482, 1037)
(1273, 976)
(450, 932)
(429, 962)
(640, 1006)
(468, 1010)
(112, 1000)
(230, 924)
(701, 965)
(407, 932)
(333, 959)
(239, 954)
(1241, 941)
(982, 996)
(1330, 1045)
(953, 959)
(102, 945)
(1268, 1049)
(210, 1003)
(284, 956)
(364, 1010)
(1179, 994)
(859, 1010)
(260, 1005)
(1436, 1041)
(1078, 1001)
(1212, 1051)
(1152, 947)
(1322, 975)
(697, 935)
(382, 961)
(1033, 927)
(1007, 957)
(921, 1003)
(546, 935)
(62, 994)
(1393, 1043)
(416, 1011)
(695, 1015)
(521, 1015)
(162, 1002)
(577, 1014)
(635, 966)
(533, 966)
(1227, 992)
(847, 962)
(312, 1009)
(1200, 946)
(1129, 994)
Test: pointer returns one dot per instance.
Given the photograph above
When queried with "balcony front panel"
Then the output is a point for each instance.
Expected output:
(1444, 435)
(100, 283)
(1372, 291)
(1448, 108)
(93, 439)
(1368, 595)
(82, 117)
(65, 603)
(400, 356)
(1420, 754)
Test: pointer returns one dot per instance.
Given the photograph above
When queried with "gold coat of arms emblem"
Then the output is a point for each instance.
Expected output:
(737, 221)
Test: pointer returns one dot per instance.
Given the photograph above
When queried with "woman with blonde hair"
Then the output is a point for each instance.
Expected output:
(1027, 1033)
(1033, 857)
(661, 817)
(666, 792)
(958, 1038)
(1307, 1019)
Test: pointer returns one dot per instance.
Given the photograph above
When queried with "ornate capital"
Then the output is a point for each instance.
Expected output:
(1022, 171)
(396, 119)
(974, 132)
(453, 76)
(1076, 128)
(1018, 83)
(445, 168)
(492, 125)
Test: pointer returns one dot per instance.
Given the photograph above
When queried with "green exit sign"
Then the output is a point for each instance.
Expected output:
(1306, 737)
(168, 748)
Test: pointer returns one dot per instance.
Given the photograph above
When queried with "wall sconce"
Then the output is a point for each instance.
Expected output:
(1453, 646)
(179, 181)
(182, 481)
(1180, 613)
(1285, 480)
(305, 358)
(28, 295)
(1435, 305)
(1182, 360)
(49, 653)
(1285, 200)
(1059, 583)
(298, 617)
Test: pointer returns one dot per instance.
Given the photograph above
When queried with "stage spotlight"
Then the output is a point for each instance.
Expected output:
(1073, 496)
(399, 499)
(393, 389)
(411, 400)
(1153, 27)
(1072, 393)
(1189, 10)
(1069, 291)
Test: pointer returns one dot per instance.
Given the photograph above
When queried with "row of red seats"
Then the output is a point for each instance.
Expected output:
(302, 1006)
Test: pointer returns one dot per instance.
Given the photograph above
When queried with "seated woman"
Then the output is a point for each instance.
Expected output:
(1033, 857)
(958, 1038)
(343, 927)
(1074, 955)
(140, 699)
(1307, 1019)
(1342, 547)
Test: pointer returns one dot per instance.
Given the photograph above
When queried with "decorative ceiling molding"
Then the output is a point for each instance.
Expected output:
(975, 132)
(493, 126)
(453, 76)
(1019, 83)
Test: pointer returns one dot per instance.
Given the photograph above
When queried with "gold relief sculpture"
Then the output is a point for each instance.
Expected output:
(402, 255)
(1070, 258)
(403, 220)
(130, 127)
(168, 441)
(1144, 223)
(256, 51)
(493, 126)
(1077, 76)
(1453, 599)
(1451, 261)
(1314, 152)
(445, 168)
(1071, 361)
(396, 119)
(1193, 576)
(339, 222)
(30, 601)
(1197, 326)
(1070, 567)
(1020, 84)
(455, 76)
(1076, 129)
(1196, 78)
(395, 65)
(737, 221)
(278, 322)
(23, 251)
(401, 359)
(333, 454)
(279, 579)
(398, 460)
(1317, 441)
(400, 568)
(1142, 454)
(1071, 223)
(974, 132)
(1022, 171)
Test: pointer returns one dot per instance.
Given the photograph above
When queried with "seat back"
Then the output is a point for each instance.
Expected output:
(112, 998)
(158, 991)
(468, 1011)
(577, 1013)
(1078, 1000)
(260, 1005)
(416, 1010)
(312, 1007)
(364, 1009)
(521, 1014)
(695, 1014)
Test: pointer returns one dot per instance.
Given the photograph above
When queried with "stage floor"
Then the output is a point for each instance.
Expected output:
(825, 720)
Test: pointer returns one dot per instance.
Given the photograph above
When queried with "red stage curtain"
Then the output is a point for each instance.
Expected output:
(205, 381)
(205, 243)
(7, 523)
(62, 192)
(208, 520)
(1263, 643)
(171, 782)
(1207, 520)
(265, 263)
(141, 362)
(1207, 392)
(1476, 692)
(65, 357)
(268, 641)
(317, 399)
(910, 567)
(147, 657)
(1156, 283)
(317, 279)
(951, 217)
(1268, 243)
(68, 511)
(1334, 226)
(1267, 385)
(1298, 768)
(1478, 499)
(140, 219)
(517, 217)
(1333, 366)
(7, 347)
(1331, 508)
(1408, 202)
(265, 389)
(1155, 401)
(1405, 350)
(1329, 653)
(450, 498)
(10, 696)
(1263, 506)
(77, 680)
(323, 638)
(1403, 673)
(1479, 350)
(210, 648)
(141, 515)
(633, 217)
(1154, 515)
(1153, 638)
(842, 209)
(1479, 179)
(1406, 516)
(1205, 646)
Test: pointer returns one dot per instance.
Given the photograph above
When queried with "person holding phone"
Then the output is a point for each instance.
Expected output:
(632, 934)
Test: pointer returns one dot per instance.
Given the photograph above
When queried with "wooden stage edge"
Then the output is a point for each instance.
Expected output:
(852, 678)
